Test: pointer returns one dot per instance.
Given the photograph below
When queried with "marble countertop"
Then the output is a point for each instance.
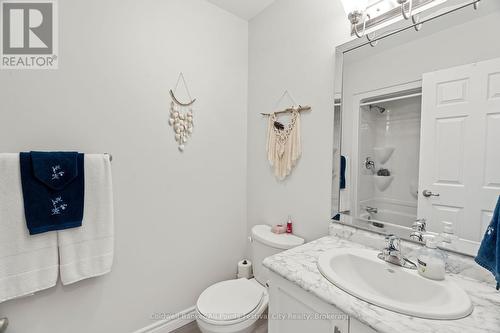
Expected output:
(298, 265)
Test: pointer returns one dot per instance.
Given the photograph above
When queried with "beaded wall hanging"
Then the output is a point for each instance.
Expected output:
(181, 115)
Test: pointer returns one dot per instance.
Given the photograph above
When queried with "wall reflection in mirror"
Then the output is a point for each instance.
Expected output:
(417, 132)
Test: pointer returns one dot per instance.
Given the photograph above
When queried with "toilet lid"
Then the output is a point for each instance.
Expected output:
(230, 300)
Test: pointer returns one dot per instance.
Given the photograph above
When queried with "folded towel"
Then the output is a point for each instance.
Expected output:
(87, 251)
(53, 190)
(27, 263)
(489, 252)
(343, 165)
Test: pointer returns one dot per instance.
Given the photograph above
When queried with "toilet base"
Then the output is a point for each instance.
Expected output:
(259, 326)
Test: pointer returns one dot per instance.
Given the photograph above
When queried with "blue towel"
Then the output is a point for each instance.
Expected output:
(53, 190)
(343, 165)
(489, 252)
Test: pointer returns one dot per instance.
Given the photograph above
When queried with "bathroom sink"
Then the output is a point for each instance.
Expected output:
(360, 273)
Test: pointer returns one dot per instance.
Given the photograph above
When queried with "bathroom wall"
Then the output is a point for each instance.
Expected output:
(292, 46)
(180, 218)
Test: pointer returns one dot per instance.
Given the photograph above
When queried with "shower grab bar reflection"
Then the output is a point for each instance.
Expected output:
(4, 322)
(390, 99)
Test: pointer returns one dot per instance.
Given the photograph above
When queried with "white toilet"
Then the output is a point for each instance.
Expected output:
(235, 306)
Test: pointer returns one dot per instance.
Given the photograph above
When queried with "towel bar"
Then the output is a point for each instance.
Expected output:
(4, 322)
(110, 159)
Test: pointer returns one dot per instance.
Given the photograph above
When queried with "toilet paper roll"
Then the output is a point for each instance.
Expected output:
(245, 269)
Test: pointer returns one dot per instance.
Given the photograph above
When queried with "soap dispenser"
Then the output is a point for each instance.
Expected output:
(431, 260)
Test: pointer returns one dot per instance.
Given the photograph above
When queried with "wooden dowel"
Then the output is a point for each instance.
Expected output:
(179, 102)
(299, 109)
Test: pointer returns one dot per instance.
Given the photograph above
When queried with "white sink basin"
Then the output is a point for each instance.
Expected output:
(360, 273)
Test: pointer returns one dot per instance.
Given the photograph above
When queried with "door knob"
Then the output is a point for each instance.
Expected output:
(429, 194)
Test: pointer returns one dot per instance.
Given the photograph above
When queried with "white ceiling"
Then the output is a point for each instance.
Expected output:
(246, 9)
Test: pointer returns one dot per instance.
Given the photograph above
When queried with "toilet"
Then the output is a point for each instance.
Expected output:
(235, 306)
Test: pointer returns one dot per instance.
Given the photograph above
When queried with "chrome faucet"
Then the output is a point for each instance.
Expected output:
(371, 210)
(370, 164)
(392, 253)
(419, 230)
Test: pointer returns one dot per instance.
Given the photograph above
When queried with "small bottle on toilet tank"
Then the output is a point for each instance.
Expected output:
(289, 225)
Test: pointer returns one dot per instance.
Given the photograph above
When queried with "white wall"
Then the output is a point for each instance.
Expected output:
(292, 46)
(180, 218)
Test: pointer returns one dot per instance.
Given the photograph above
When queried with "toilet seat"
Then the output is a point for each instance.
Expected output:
(231, 302)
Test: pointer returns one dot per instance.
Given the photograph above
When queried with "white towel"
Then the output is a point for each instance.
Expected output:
(27, 263)
(87, 251)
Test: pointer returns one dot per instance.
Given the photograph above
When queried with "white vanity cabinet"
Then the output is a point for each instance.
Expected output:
(294, 310)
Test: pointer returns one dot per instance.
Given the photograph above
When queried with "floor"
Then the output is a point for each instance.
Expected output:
(193, 328)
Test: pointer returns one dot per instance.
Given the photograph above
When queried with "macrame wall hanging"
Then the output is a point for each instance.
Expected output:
(181, 115)
(284, 146)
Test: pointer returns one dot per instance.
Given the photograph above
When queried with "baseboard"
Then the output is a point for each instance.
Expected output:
(169, 325)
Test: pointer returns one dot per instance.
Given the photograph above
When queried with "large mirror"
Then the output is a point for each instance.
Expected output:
(417, 132)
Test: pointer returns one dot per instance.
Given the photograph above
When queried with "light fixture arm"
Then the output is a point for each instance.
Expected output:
(355, 18)
(406, 15)
(416, 22)
(372, 39)
(360, 35)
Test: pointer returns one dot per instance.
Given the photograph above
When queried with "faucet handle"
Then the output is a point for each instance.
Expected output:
(393, 243)
(369, 163)
(420, 225)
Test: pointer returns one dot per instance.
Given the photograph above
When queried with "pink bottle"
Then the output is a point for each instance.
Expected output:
(289, 226)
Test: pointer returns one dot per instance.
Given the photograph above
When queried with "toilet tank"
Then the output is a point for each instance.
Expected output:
(266, 243)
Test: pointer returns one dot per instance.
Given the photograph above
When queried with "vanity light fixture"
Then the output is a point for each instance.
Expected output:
(366, 16)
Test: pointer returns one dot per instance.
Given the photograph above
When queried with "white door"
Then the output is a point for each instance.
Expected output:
(459, 177)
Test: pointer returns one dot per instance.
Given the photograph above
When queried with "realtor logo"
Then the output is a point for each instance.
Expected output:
(29, 34)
